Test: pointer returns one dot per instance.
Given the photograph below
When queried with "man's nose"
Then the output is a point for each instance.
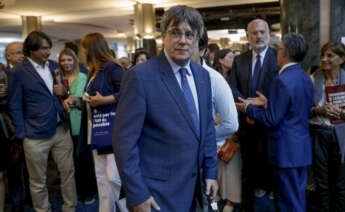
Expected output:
(182, 38)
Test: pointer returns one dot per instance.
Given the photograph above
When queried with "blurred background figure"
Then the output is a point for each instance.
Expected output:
(3, 147)
(328, 157)
(125, 63)
(17, 174)
(223, 63)
(212, 51)
(140, 57)
(236, 52)
(76, 81)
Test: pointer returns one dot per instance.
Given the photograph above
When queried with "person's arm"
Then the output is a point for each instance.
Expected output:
(128, 125)
(225, 107)
(15, 103)
(234, 80)
(210, 165)
(277, 106)
(116, 77)
(114, 73)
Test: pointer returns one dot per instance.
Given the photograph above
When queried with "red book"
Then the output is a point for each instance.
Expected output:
(335, 95)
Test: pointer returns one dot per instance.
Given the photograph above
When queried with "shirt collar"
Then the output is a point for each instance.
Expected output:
(262, 53)
(175, 67)
(36, 66)
(285, 66)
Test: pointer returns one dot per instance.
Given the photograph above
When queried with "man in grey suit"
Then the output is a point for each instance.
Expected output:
(252, 74)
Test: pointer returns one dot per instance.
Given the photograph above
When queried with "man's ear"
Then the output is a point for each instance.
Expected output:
(202, 52)
(284, 53)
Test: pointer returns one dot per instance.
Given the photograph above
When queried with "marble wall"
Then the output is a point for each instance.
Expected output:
(303, 16)
(338, 19)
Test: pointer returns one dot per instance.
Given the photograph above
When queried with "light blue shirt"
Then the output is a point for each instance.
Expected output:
(189, 76)
(223, 104)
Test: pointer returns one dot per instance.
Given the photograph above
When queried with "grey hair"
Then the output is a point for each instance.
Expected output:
(295, 46)
(179, 14)
(7, 49)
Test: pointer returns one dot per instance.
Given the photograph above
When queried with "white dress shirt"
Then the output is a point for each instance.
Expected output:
(262, 57)
(44, 73)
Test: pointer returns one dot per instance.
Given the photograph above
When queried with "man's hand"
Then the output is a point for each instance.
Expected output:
(242, 105)
(211, 188)
(331, 111)
(146, 206)
(217, 120)
(260, 101)
(59, 89)
(72, 101)
(96, 100)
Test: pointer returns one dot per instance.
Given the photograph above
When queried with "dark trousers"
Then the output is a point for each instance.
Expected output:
(256, 171)
(328, 171)
(85, 177)
(291, 184)
(18, 178)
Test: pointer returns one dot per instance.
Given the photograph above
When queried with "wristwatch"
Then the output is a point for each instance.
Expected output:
(67, 94)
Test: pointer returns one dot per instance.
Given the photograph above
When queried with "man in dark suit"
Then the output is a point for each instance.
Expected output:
(39, 120)
(287, 116)
(164, 131)
(16, 171)
(14, 55)
(254, 71)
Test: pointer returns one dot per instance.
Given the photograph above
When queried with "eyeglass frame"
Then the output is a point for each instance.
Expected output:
(176, 33)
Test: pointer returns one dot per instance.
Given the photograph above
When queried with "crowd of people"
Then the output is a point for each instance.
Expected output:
(194, 128)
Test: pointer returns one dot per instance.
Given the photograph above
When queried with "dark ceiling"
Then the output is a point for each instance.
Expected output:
(236, 16)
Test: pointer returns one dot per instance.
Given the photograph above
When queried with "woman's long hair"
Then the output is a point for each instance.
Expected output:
(70, 52)
(220, 55)
(98, 52)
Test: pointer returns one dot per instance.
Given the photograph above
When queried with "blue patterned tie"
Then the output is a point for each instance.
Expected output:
(187, 92)
(256, 75)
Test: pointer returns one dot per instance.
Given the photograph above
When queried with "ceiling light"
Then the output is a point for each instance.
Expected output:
(225, 18)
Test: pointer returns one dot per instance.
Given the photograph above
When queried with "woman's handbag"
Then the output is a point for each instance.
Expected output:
(227, 150)
(102, 123)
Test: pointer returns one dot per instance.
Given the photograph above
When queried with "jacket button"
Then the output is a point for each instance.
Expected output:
(193, 174)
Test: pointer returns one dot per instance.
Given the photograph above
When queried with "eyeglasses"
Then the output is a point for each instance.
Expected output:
(17, 53)
(175, 33)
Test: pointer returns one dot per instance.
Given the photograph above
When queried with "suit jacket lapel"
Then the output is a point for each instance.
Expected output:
(265, 66)
(200, 85)
(169, 79)
(249, 73)
(30, 68)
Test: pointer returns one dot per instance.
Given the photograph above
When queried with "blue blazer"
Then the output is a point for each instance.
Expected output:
(287, 116)
(157, 149)
(32, 107)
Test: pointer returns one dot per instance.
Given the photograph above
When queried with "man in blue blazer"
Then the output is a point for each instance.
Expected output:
(39, 120)
(286, 113)
(164, 137)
